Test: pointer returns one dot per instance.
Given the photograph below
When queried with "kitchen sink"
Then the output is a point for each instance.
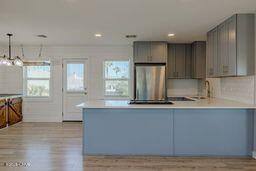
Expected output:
(180, 99)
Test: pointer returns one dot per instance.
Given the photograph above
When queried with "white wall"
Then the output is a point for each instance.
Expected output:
(10, 80)
(2, 76)
(182, 87)
(51, 111)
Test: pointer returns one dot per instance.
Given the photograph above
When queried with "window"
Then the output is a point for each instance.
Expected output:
(116, 77)
(37, 81)
(75, 77)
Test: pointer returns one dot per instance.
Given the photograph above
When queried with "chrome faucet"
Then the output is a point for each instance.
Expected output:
(208, 89)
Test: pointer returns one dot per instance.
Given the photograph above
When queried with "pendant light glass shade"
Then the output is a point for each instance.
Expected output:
(17, 61)
(5, 61)
(1, 60)
(8, 63)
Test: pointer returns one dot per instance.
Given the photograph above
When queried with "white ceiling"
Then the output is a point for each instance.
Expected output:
(74, 22)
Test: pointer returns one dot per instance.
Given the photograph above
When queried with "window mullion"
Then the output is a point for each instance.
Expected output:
(37, 78)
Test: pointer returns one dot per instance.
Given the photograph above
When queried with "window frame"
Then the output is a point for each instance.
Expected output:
(25, 81)
(117, 79)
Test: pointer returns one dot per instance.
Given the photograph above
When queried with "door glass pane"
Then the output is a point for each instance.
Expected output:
(116, 69)
(38, 87)
(116, 88)
(75, 77)
(38, 71)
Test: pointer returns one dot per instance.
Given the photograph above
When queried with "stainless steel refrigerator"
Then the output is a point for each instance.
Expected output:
(150, 82)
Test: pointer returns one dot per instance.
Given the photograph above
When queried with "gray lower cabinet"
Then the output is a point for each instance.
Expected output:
(212, 54)
(235, 47)
(150, 52)
(179, 61)
(199, 59)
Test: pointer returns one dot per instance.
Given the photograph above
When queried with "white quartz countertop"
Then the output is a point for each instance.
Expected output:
(212, 103)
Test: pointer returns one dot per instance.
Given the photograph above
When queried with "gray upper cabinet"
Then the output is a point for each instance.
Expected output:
(245, 44)
(222, 48)
(235, 47)
(212, 69)
(179, 61)
(141, 52)
(227, 47)
(158, 52)
(171, 61)
(199, 59)
(150, 52)
(188, 67)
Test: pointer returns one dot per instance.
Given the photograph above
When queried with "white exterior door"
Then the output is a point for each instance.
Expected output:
(75, 80)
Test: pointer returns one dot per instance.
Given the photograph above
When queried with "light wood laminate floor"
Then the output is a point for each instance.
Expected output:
(58, 146)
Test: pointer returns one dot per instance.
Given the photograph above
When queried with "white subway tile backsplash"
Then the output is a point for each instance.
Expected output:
(182, 87)
(234, 88)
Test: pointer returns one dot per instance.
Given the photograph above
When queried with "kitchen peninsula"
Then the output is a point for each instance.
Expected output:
(206, 127)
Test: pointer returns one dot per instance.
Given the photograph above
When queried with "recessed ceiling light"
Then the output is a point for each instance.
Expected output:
(171, 34)
(98, 35)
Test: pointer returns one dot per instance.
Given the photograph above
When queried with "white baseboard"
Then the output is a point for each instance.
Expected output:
(254, 154)
(42, 118)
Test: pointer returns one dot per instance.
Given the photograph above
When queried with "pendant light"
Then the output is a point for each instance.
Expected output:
(8, 61)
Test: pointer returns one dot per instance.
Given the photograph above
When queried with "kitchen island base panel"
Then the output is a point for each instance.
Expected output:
(213, 132)
(130, 132)
(168, 132)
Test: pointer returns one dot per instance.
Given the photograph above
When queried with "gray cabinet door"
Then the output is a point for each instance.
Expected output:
(231, 35)
(199, 59)
(188, 60)
(209, 55)
(179, 61)
(212, 53)
(141, 52)
(222, 49)
(227, 47)
(171, 61)
(158, 52)
(245, 40)
(180, 57)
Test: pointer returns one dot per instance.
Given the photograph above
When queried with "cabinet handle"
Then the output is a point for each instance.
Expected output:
(211, 71)
(225, 69)
(150, 58)
(175, 74)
